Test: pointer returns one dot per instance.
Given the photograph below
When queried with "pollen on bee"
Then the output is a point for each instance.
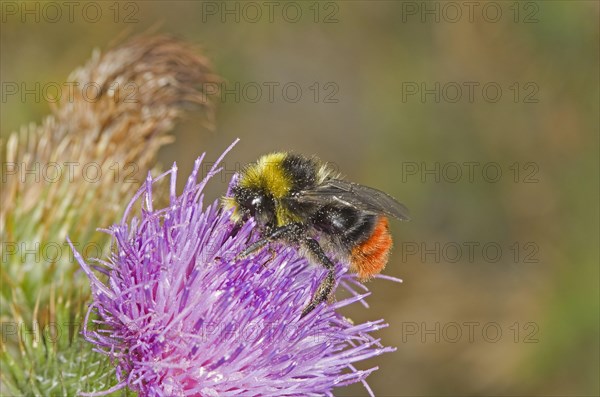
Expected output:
(229, 203)
(370, 257)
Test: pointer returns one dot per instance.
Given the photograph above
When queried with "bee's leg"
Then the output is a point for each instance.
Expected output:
(328, 282)
(273, 254)
(290, 232)
(256, 246)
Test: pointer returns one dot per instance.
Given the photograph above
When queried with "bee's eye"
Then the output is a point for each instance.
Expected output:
(253, 203)
(256, 201)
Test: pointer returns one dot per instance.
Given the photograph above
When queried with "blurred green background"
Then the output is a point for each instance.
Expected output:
(520, 321)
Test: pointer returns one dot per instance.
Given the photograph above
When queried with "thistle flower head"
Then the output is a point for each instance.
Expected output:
(181, 316)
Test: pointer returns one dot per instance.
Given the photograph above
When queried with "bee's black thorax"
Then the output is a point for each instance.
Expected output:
(301, 172)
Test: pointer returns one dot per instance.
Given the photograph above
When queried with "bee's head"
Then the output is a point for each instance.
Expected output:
(254, 203)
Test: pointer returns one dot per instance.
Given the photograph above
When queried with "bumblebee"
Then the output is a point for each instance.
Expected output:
(300, 200)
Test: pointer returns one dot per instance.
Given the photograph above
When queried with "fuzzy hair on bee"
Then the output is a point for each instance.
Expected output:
(299, 200)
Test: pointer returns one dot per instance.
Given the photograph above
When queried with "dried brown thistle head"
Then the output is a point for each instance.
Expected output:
(117, 114)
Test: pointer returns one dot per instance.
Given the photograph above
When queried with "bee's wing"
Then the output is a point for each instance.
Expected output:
(354, 195)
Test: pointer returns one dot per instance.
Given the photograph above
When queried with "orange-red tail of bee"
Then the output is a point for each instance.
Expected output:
(370, 257)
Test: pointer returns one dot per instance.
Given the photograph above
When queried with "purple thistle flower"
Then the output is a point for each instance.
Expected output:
(181, 317)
